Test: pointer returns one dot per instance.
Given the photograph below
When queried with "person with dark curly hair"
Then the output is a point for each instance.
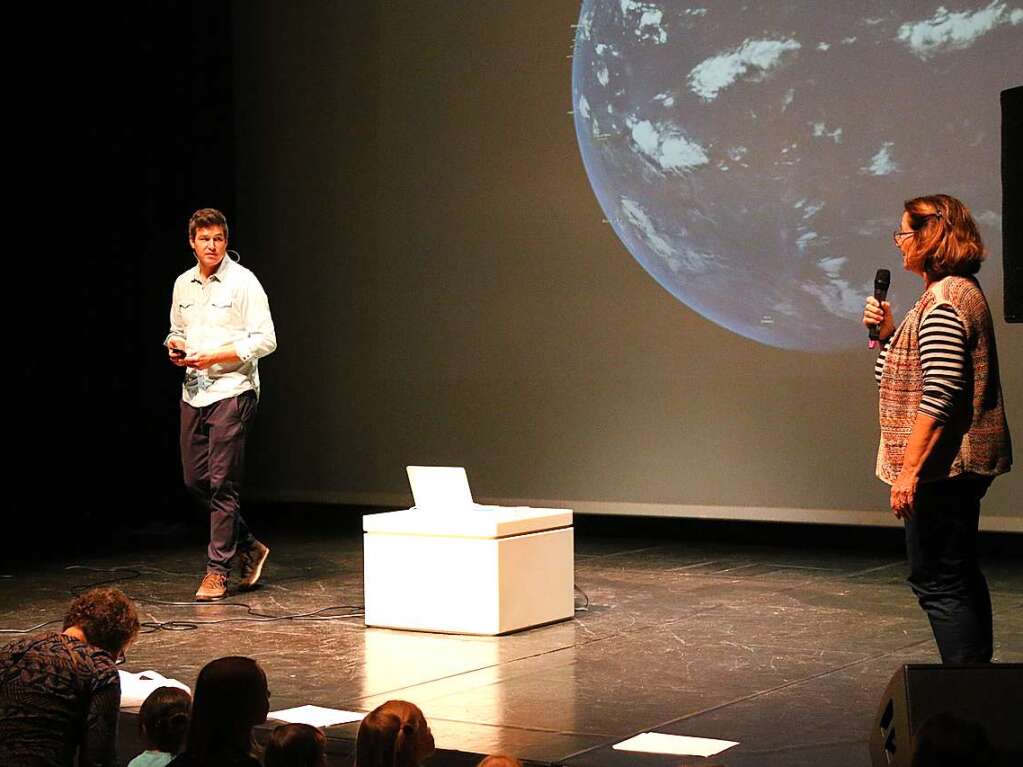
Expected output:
(60, 692)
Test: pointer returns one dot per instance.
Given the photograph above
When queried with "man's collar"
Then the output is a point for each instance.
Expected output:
(222, 267)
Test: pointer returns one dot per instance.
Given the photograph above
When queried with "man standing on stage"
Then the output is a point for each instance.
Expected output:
(220, 325)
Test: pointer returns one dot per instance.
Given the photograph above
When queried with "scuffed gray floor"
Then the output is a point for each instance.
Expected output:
(786, 649)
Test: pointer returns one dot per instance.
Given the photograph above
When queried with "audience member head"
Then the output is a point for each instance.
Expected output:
(499, 760)
(231, 697)
(394, 734)
(945, 740)
(106, 617)
(296, 745)
(163, 719)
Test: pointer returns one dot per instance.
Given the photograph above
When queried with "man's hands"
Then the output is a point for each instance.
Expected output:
(176, 352)
(200, 360)
(880, 314)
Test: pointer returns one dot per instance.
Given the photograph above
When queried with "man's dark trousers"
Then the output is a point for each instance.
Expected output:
(213, 459)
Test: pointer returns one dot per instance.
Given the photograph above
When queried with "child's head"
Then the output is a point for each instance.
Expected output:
(231, 697)
(394, 734)
(296, 745)
(163, 719)
(500, 760)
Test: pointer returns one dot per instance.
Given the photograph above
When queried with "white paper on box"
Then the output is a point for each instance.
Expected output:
(317, 716)
(680, 745)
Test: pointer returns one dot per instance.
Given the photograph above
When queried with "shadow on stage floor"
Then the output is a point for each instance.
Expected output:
(781, 638)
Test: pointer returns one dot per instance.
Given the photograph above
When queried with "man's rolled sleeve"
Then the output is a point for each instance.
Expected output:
(261, 339)
(177, 322)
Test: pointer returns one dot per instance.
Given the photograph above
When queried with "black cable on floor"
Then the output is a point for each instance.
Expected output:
(251, 616)
(586, 605)
(148, 627)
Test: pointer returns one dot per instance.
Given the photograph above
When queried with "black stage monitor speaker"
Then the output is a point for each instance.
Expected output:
(1012, 202)
(990, 695)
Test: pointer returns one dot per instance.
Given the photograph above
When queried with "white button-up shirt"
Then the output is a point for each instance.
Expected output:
(229, 308)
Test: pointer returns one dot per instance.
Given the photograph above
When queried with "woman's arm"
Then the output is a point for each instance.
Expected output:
(923, 438)
(943, 363)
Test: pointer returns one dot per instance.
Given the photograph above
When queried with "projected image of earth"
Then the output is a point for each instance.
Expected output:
(754, 157)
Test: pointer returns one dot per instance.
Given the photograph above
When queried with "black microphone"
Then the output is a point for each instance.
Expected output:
(882, 280)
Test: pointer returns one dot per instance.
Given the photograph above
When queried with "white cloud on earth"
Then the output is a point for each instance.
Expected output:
(752, 59)
(838, 297)
(648, 26)
(687, 260)
(832, 265)
(805, 240)
(584, 107)
(812, 209)
(881, 164)
(736, 153)
(952, 31)
(821, 129)
(667, 146)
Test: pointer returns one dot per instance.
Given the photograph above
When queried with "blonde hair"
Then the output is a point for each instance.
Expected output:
(394, 734)
(500, 760)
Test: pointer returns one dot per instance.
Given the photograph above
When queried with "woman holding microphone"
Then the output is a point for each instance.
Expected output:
(944, 435)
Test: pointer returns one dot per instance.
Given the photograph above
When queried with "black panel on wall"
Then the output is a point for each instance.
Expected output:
(131, 132)
(1012, 201)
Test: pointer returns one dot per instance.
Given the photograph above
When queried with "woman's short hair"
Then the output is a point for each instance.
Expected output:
(395, 734)
(946, 240)
(296, 745)
(163, 719)
(106, 616)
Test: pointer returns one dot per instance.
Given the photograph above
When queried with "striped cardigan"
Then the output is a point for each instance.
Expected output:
(976, 438)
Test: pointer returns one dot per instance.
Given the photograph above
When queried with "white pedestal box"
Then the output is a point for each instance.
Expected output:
(478, 571)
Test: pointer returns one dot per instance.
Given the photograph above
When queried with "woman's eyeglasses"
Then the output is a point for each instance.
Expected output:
(898, 236)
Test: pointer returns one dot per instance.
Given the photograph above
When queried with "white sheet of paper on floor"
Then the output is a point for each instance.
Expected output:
(681, 745)
(135, 688)
(317, 716)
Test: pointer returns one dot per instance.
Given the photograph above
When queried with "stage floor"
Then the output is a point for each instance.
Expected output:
(784, 647)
